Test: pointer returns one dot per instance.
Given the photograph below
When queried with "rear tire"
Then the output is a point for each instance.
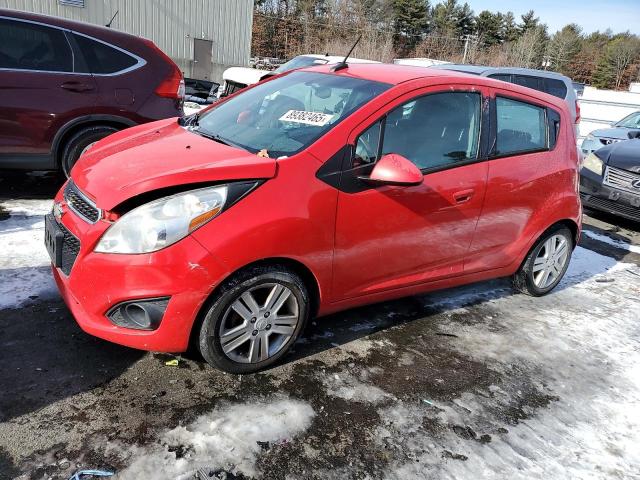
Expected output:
(254, 319)
(546, 263)
(79, 142)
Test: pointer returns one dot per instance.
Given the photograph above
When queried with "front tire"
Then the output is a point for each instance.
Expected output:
(79, 143)
(546, 263)
(254, 319)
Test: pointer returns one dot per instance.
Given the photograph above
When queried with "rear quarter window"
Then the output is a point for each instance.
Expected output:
(555, 87)
(101, 58)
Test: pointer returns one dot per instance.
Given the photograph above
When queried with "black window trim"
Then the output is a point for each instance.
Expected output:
(483, 130)
(494, 133)
(140, 62)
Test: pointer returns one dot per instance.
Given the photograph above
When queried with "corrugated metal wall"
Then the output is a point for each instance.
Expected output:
(171, 24)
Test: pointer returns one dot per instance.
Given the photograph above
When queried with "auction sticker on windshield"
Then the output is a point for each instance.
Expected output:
(308, 118)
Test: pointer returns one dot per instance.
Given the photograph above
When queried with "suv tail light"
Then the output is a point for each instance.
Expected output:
(577, 112)
(173, 85)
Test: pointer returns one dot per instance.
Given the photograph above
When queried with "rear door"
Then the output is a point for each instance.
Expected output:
(524, 171)
(392, 236)
(39, 91)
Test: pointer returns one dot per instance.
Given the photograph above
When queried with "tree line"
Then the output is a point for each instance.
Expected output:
(448, 30)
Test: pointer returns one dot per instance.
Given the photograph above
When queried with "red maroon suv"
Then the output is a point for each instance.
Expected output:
(64, 85)
(312, 192)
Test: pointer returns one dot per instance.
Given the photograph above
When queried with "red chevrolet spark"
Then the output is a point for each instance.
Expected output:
(315, 191)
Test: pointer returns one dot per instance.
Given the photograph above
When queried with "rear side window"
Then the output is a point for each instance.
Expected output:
(521, 127)
(26, 46)
(529, 82)
(101, 58)
(555, 87)
(501, 76)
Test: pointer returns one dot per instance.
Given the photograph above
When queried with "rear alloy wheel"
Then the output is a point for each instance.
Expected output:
(80, 142)
(254, 320)
(546, 264)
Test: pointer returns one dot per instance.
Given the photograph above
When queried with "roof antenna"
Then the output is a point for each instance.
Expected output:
(108, 25)
(343, 64)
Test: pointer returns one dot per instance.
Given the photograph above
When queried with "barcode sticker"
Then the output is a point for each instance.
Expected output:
(309, 118)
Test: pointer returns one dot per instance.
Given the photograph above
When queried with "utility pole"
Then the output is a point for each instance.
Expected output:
(467, 38)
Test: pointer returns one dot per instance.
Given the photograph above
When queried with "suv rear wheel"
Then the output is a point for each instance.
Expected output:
(546, 263)
(80, 142)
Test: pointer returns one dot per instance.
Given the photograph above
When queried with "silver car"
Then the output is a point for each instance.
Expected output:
(606, 136)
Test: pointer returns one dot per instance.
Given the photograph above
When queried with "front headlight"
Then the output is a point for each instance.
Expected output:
(593, 163)
(160, 223)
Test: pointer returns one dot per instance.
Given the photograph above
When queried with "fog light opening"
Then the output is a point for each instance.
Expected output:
(139, 314)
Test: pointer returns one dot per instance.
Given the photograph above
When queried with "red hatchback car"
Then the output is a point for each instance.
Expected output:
(312, 192)
(65, 85)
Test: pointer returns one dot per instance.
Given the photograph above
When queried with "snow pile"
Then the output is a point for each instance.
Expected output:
(24, 263)
(580, 349)
(227, 439)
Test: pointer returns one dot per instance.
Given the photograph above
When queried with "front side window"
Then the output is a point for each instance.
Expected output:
(287, 114)
(367, 145)
(432, 131)
(26, 46)
(631, 121)
(436, 130)
(521, 127)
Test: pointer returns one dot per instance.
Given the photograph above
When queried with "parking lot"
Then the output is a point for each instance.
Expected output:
(464, 383)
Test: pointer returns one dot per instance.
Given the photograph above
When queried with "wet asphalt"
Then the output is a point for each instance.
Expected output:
(64, 395)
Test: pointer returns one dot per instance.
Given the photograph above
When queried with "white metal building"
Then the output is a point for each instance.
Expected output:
(203, 37)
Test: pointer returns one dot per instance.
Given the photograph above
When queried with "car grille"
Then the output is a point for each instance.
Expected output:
(610, 206)
(70, 250)
(622, 179)
(80, 204)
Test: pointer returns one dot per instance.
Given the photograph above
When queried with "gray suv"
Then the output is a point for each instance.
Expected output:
(549, 82)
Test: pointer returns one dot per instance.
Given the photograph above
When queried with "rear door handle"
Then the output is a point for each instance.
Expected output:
(76, 86)
(463, 195)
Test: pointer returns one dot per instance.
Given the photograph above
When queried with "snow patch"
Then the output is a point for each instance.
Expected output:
(578, 348)
(347, 387)
(611, 241)
(25, 272)
(226, 439)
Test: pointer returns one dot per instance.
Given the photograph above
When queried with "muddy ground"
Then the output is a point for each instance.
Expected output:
(474, 382)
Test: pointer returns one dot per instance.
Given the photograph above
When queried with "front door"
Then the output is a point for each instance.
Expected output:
(202, 59)
(392, 236)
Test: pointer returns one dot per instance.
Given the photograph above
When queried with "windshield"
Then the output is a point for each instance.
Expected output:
(299, 62)
(632, 121)
(287, 114)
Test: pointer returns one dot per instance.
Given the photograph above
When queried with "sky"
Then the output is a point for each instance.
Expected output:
(591, 15)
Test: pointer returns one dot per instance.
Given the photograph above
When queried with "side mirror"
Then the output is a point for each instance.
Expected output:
(633, 134)
(394, 169)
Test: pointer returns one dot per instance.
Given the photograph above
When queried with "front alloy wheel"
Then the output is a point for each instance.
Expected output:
(257, 315)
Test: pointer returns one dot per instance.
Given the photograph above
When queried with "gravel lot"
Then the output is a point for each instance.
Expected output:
(473, 382)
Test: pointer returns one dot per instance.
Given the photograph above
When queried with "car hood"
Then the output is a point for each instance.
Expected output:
(624, 155)
(615, 132)
(160, 155)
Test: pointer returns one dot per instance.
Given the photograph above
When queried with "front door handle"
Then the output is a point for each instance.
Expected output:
(76, 86)
(463, 195)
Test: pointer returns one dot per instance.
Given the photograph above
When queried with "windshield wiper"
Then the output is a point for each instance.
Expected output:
(192, 120)
(216, 138)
